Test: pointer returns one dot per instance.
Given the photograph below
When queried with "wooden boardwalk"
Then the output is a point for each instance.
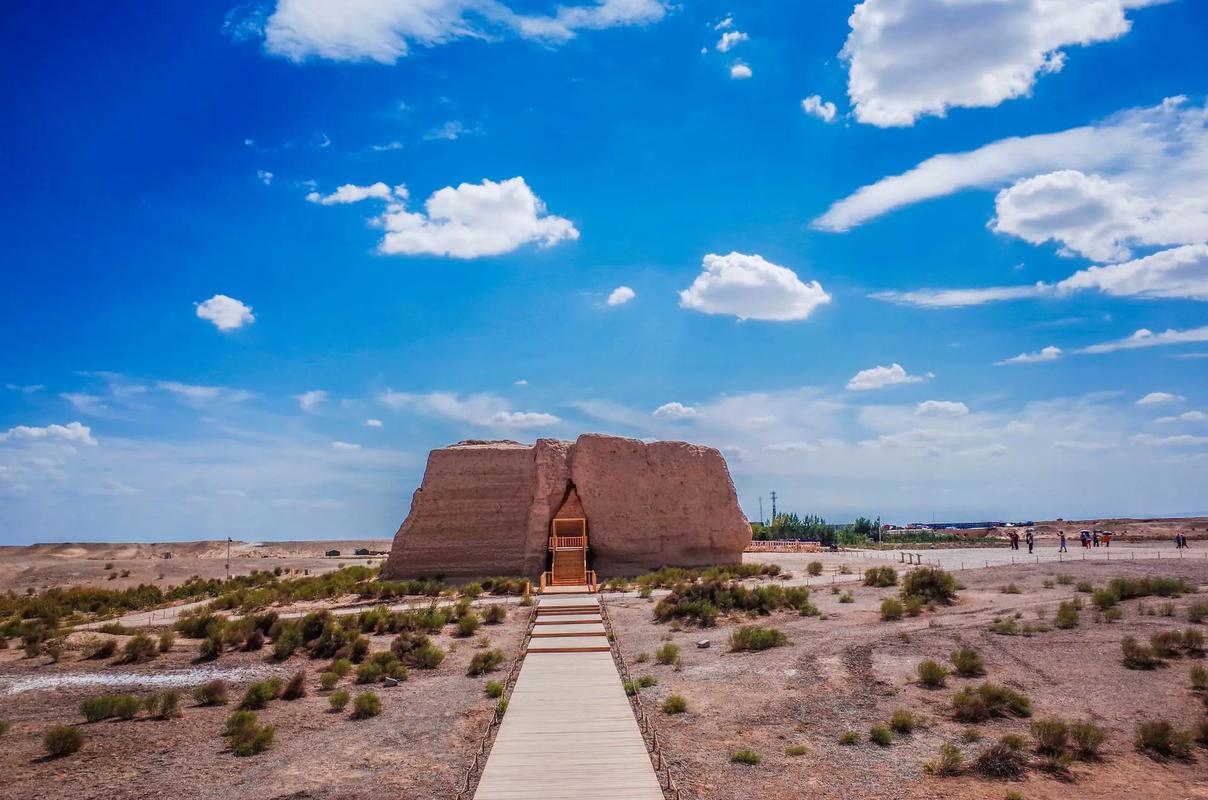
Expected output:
(569, 733)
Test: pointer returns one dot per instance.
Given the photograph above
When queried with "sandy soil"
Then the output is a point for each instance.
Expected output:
(850, 671)
(419, 747)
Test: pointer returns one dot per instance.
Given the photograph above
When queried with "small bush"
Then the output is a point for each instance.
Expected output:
(1197, 612)
(914, 605)
(847, 597)
(881, 735)
(849, 738)
(971, 735)
(254, 641)
(1137, 655)
(1199, 678)
(339, 699)
(62, 740)
(753, 637)
(1067, 615)
(341, 667)
(932, 674)
(967, 663)
(814, 568)
(1065, 580)
(296, 688)
(468, 624)
(213, 693)
(494, 614)
(891, 609)
(1166, 644)
(1085, 587)
(950, 762)
(366, 705)
(369, 672)
(246, 735)
(1010, 588)
(485, 661)
(165, 705)
(667, 654)
(4, 726)
(210, 649)
(501, 708)
(1050, 736)
(932, 584)
(675, 704)
(749, 757)
(1087, 738)
(1000, 761)
(903, 721)
(166, 640)
(988, 700)
(1113, 615)
(102, 649)
(493, 689)
(328, 680)
(426, 657)
(646, 681)
(1159, 739)
(796, 750)
(258, 694)
(880, 577)
(95, 709)
(1193, 642)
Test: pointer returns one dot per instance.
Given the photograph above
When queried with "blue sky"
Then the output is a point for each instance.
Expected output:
(896, 258)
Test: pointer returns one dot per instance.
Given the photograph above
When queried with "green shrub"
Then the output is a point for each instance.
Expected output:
(126, 706)
(342, 666)
(932, 674)
(988, 700)
(1159, 739)
(1193, 642)
(749, 757)
(667, 654)
(62, 740)
(258, 694)
(95, 709)
(914, 605)
(1000, 761)
(166, 640)
(210, 649)
(881, 735)
(646, 681)
(1199, 678)
(1113, 615)
(1137, 655)
(880, 577)
(967, 662)
(753, 637)
(1067, 615)
(1085, 587)
(1013, 741)
(849, 738)
(366, 705)
(1087, 738)
(814, 568)
(328, 680)
(675, 704)
(1010, 588)
(796, 750)
(1197, 612)
(903, 721)
(1065, 580)
(485, 661)
(212, 693)
(286, 640)
(493, 689)
(1128, 588)
(139, 648)
(891, 609)
(501, 708)
(971, 735)
(847, 597)
(1104, 599)
(467, 624)
(296, 687)
(1050, 736)
(339, 699)
(101, 649)
(932, 584)
(245, 734)
(950, 762)
(1166, 644)
(494, 614)
(369, 672)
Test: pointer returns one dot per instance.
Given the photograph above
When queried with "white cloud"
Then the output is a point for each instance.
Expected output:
(724, 24)
(450, 131)
(910, 58)
(311, 399)
(485, 410)
(72, 432)
(1147, 338)
(880, 377)
(226, 313)
(1182, 440)
(1049, 353)
(264, 176)
(620, 296)
(750, 287)
(1157, 151)
(386, 147)
(1158, 398)
(731, 39)
(351, 193)
(740, 72)
(792, 447)
(373, 423)
(386, 30)
(941, 408)
(814, 105)
(473, 220)
(521, 382)
(195, 395)
(1186, 416)
(28, 389)
(674, 411)
(1181, 272)
(960, 298)
(86, 403)
(345, 446)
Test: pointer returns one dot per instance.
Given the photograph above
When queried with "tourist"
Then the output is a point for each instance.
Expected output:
(1061, 539)
(1030, 536)
(1014, 537)
(1095, 538)
(1107, 538)
(1085, 538)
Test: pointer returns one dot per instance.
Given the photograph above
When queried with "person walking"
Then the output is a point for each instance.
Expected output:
(1085, 538)
(1095, 538)
(1061, 539)
(1030, 537)
(1107, 538)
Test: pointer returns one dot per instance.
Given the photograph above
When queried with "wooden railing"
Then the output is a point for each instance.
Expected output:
(567, 542)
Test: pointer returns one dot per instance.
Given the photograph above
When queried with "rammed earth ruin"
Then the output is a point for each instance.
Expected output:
(506, 508)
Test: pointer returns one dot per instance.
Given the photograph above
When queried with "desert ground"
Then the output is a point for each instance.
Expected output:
(844, 670)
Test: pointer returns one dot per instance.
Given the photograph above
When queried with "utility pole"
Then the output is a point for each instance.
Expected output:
(761, 509)
(773, 506)
(228, 563)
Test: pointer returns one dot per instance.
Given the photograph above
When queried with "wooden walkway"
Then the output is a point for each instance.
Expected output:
(569, 733)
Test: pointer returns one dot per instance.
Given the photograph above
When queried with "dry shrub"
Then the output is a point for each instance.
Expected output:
(950, 762)
(1001, 761)
(967, 663)
(1050, 736)
(62, 740)
(880, 576)
(1159, 739)
(1087, 738)
(932, 674)
(753, 637)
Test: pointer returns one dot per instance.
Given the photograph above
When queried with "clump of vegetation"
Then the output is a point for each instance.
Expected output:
(891, 609)
(967, 662)
(62, 740)
(667, 654)
(467, 624)
(139, 648)
(704, 602)
(971, 735)
(296, 687)
(1197, 612)
(749, 757)
(108, 706)
(1010, 588)
(1085, 587)
(903, 721)
(1137, 655)
(494, 614)
(814, 568)
(950, 762)
(1128, 588)
(416, 650)
(1050, 736)
(1193, 643)
(485, 661)
(1087, 738)
(501, 708)
(166, 640)
(847, 597)
(369, 672)
(493, 689)
(989, 700)
(328, 680)
(753, 637)
(1166, 644)
(932, 584)
(1000, 760)
(675, 704)
(101, 649)
(879, 734)
(245, 734)
(848, 738)
(670, 577)
(366, 705)
(1067, 615)
(164, 705)
(1199, 678)
(259, 694)
(932, 674)
(338, 700)
(880, 576)
(213, 693)
(796, 750)
(1104, 599)
(210, 649)
(1065, 580)
(4, 726)
(1160, 739)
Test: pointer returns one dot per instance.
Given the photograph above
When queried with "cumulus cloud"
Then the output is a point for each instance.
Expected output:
(485, 410)
(740, 72)
(750, 287)
(674, 411)
(1158, 398)
(1147, 338)
(910, 58)
(351, 193)
(226, 313)
(1049, 353)
(72, 432)
(1157, 151)
(815, 106)
(729, 40)
(387, 30)
(941, 408)
(728, 22)
(881, 377)
(1186, 416)
(311, 400)
(620, 296)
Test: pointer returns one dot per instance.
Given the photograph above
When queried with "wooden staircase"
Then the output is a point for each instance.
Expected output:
(568, 557)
